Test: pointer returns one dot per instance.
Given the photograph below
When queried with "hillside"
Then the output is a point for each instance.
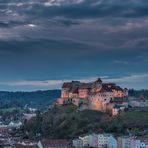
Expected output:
(67, 122)
(38, 99)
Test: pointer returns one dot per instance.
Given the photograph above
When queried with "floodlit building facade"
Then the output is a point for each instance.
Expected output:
(97, 95)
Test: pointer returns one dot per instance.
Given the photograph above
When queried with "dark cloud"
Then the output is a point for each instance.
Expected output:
(43, 40)
(84, 9)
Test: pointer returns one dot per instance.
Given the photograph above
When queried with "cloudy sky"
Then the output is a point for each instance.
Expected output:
(46, 42)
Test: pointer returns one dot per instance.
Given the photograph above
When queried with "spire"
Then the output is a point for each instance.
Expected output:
(99, 80)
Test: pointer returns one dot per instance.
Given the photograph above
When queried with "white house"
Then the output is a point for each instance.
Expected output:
(77, 143)
(85, 140)
(112, 142)
(126, 142)
(103, 139)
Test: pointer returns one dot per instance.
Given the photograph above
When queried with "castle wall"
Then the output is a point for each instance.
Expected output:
(95, 105)
(118, 93)
(65, 93)
(73, 95)
(83, 93)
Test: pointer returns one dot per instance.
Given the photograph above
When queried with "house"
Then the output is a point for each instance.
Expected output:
(24, 145)
(77, 143)
(138, 103)
(15, 124)
(29, 116)
(85, 140)
(48, 143)
(125, 142)
(112, 142)
(5, 143)
(135, 143)
(132, 142)
(96, 141)
(4, 131)
(103, 140)
(143, 142)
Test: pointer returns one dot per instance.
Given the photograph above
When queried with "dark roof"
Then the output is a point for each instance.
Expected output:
(118, 88)
(25, 146)
(108, 84)
(108, 89)
(74, 90)
(112, 86)
(103, 90)
(71, 84)
(85, 85)
(54, 143)
(67, 85)
(99, 80)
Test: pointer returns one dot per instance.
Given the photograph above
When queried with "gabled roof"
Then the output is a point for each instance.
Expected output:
(71, 84)
(53, 143)
(67, 85)
(85, 85)
(109, 84)
(99, 80)
(118, 88)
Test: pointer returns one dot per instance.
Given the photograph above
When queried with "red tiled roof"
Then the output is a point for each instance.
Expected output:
(54, 143)
(25, 146)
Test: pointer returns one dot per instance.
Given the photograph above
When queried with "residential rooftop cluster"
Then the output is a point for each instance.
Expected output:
(110, 141)
(101, 140)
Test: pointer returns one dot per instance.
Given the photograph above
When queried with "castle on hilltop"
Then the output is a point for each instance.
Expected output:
(94, 95)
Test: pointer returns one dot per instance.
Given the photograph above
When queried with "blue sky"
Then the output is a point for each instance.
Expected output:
(46, 42)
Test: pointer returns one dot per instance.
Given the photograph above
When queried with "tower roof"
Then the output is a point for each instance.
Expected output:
(99, 80)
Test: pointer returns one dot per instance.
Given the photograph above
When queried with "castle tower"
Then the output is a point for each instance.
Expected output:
(98, 84)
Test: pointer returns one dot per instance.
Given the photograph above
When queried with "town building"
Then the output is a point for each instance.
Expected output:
(77, 143)
(135, 143)
(26, 144)
(112, 142)
(15, 124)
(93, 140)
(85, 140)
(126, 142)
(132, 142)
(46, 143)
(103, 140)
(109, 141)
(138, 103)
